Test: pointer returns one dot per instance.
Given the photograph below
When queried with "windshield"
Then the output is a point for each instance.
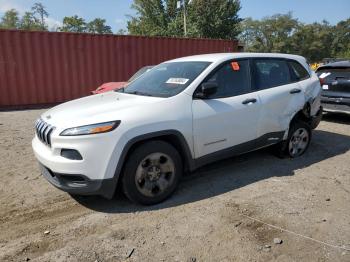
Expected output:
(140, 72)
(166, 80)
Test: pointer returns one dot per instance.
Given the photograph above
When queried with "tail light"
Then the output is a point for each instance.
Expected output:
(322, 81)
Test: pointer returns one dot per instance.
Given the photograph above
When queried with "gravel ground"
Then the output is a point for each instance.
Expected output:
(229, 211)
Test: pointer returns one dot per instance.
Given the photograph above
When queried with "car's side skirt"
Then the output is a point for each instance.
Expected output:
(263, 141)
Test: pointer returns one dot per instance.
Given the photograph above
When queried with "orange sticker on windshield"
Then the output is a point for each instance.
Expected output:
(235, 66)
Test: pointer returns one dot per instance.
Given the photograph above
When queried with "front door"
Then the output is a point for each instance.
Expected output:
(229, 117)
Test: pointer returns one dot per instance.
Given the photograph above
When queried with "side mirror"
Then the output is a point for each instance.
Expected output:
(207, 89)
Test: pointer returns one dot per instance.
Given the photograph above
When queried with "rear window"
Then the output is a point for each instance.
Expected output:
(332, 74)
(298, 72)
(270, 73)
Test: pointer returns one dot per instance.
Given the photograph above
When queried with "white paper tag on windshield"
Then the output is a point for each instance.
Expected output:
(325, 87)
(177, 81)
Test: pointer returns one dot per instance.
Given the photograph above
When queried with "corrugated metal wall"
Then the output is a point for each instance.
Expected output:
(49, 67)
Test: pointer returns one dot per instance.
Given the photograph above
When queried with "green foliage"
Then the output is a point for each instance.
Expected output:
(214, 19)
(10, 20)
(73, 24)
(98, 26)
(151, 20)
(271, 34)
(341, 39)
(313, 41)
(285, 34)
(34, 20)
(78, 25)
(30, 22)
(39, 10)
(122, 32)
(207, 19)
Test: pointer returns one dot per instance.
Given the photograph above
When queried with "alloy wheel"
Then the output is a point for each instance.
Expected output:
(298, 142)
(155, 174)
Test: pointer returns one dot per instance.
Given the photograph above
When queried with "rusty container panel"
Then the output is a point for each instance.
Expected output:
(38, 68)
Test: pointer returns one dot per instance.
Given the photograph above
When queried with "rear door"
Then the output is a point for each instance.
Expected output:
(280, 95)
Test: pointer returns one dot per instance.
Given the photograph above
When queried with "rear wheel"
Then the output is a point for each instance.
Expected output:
(152, 172)
(298, 140)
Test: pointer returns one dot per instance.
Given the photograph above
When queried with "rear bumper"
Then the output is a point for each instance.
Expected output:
(336, 104)
(316, 119)
(79, 184)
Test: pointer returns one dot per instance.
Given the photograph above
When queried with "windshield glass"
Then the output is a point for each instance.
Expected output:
(140, 72)
(166, 80)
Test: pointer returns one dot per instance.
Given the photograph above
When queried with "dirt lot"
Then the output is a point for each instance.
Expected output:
(210, 218)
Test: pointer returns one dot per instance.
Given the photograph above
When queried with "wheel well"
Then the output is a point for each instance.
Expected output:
(173, 140)
(303, 114)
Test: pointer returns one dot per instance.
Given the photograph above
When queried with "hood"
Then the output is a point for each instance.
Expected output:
(95, 109)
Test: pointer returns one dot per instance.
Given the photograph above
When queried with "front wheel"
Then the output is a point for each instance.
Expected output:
(152, 172)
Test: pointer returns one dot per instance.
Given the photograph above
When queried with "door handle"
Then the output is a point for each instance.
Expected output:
(249, 100)
(295, 91)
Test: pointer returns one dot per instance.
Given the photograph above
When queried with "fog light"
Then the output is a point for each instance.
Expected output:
(71, 154)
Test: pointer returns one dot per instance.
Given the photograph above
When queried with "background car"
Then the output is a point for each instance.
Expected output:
(116, 85)
(335, 82)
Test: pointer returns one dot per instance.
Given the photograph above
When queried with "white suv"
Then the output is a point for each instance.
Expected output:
(180, 115)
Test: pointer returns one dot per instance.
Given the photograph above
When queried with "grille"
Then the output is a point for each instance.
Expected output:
(43, 131)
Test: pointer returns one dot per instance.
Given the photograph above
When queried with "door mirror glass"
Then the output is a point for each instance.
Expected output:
(207, 89)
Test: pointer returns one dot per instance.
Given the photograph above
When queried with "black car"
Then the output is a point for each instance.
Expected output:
(335, 82)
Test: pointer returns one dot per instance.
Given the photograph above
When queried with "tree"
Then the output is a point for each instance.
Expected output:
(73, 24)
(209, 19)
(30, 22)
(313, 41)
(214, 19)
(98, 26)
(284, 34)
(39, 10)
(151, 18)
(341, 39)
(10, 20)
(271, 34)
(122, 32)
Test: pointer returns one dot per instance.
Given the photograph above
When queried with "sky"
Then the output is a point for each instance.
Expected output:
(115, 11)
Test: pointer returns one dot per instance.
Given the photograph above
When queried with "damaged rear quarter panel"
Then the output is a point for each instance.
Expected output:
(279, 107)
(313, 93)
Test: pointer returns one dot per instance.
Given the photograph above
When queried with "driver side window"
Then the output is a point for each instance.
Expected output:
(232, 78)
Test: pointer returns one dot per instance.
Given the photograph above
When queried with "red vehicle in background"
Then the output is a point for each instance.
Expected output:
(117, 85)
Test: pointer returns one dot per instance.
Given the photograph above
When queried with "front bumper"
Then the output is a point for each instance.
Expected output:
(336, 104)
(95, 174)
(79, 184)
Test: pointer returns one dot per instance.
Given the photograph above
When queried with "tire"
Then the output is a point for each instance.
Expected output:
(298, 141)
(152, 173)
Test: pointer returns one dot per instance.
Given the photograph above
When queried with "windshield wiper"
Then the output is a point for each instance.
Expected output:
(121, 90)
(138, 93)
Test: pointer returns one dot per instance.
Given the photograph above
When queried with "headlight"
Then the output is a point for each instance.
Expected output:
(91, 129)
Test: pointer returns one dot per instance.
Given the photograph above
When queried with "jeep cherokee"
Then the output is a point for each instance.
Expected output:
(180, 115)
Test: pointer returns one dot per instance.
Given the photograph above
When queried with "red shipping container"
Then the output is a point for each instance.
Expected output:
(38, 68)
